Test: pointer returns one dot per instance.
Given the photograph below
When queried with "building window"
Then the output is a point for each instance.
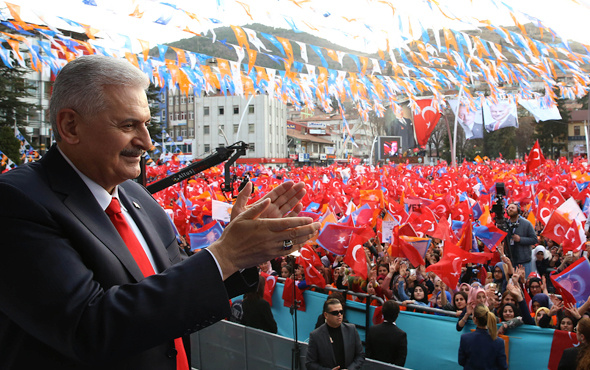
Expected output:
(251, 109)
(171, 117)
(171, 100)
(221, 145)
(205, 130)
(205, 111)
(576, 130)
(190, 98)
(183, 132)
(183, 100)
(236, 128)
(236, 109)
(191, 132)
(207, 148)
(182, 115)
(176, 116)
(250, 128)
(191, 114)
(251, 146)
(221, 110)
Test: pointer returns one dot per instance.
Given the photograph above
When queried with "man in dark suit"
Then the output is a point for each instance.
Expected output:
(334, 345)
(75, 294)
(386, 342)
(502, 117)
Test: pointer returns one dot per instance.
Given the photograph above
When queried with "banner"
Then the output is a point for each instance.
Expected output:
(470, 119)
(500, 114)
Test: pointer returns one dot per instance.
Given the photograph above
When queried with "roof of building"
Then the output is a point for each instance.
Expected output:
(307, 137)
(579, 115)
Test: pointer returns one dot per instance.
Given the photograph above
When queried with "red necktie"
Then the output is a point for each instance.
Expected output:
(134, 246)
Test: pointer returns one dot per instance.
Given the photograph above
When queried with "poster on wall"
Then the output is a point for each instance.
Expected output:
(389, 146)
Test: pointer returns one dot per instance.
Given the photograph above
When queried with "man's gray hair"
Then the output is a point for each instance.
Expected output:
(80, 85)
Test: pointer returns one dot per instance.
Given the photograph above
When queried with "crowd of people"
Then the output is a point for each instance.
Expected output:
(513, 285)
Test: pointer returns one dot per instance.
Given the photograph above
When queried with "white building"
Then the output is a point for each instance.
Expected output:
(198, 125)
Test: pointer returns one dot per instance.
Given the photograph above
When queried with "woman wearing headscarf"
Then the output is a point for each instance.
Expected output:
(542, 258)
(477, 295)
(482, 349)
(499, 275)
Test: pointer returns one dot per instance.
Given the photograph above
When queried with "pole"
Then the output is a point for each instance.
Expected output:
(242, 118)
(295, 359)
(587, 139)
(372, 150)
(454, 150)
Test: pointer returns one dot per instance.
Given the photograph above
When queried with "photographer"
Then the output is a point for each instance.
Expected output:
(520, 239)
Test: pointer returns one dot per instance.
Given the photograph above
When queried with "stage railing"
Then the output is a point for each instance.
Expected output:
(227, 345)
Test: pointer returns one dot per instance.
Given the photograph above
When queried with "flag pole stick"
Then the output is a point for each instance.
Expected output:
(454, 151)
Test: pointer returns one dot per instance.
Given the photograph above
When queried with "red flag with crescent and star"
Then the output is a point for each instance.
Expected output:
(556, 228)
(535, 158)
(269, 286)
(357, 260)
(425, 121)
(312, 275)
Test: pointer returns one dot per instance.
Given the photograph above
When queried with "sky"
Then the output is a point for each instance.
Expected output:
(362, 25)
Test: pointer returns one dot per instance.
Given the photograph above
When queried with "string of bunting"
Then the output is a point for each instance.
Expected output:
(369, 91)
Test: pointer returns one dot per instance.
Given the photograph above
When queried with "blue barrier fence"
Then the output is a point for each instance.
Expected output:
(433, 340)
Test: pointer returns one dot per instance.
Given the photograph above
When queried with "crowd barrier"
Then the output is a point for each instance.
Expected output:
(433, 341)
(227, 345)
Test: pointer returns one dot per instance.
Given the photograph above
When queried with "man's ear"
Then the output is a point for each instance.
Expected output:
(67, 125)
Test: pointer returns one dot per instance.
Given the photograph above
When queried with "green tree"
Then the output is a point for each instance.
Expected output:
(500, 141)
(14, 109)
(9, 144)
(153, 96)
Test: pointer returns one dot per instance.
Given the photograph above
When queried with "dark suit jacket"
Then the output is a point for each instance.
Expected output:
(257, 314)
(477, 350)
(569, 359)
(387, 343)
(320, 354)
(72, 296)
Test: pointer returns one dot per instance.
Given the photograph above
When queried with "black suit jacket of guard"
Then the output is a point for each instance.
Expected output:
(387, 343)
(320, 354)
(72, 296)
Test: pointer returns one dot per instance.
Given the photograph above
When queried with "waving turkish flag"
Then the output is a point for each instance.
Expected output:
(269, 286)
(309, 255)
(293, 295)
(556, 228)
(355, 258)
(535, 158)
(425, 121)
(544, 210)
(572, 241)
(312, 275)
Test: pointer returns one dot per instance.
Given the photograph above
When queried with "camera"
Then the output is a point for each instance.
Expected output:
(498, 207)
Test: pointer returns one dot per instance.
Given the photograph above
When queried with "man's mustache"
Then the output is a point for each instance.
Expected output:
(132, 152)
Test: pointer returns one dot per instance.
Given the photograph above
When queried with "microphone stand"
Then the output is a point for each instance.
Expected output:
(296, 352)
(229, 153)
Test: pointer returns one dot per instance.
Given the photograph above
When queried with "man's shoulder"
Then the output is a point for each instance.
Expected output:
(386, 327)
(320, 329)
(524, 222)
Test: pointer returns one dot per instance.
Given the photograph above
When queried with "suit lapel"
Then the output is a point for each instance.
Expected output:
(80, 201)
